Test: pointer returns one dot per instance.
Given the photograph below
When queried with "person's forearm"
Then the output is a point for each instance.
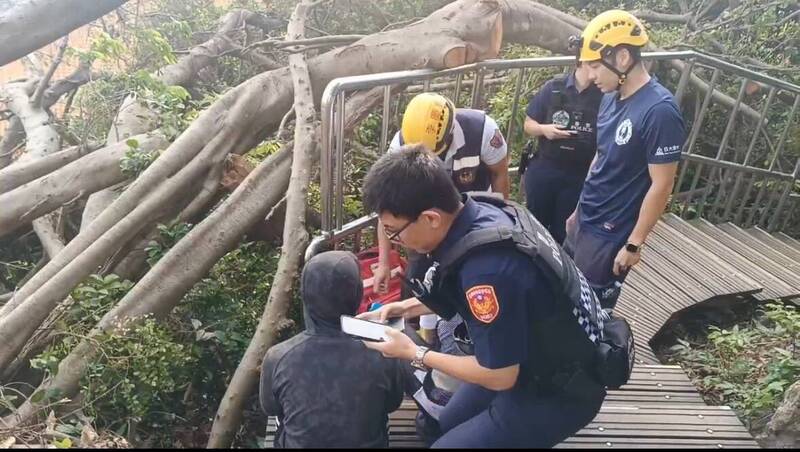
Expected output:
(466, 368)
(384, 246)
(500, 183)
(412, 307)
(652, 207)
(532, 128)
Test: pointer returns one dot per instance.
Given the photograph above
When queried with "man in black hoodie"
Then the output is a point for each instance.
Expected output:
(327, 389)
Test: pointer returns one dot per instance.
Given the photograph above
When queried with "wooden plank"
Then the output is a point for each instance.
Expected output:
(639, 431)
(660, 443)
(794, 243)
(628, 400)
(690, 272)
(679, 274)
(658, 302)
(747, 251)
(672, 299)
(712, 269)
(665, 275)
(769, 239)
(596, 428)
(773, 286)
(764, 248)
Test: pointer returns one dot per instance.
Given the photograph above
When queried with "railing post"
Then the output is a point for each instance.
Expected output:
(773, 222)
(696, 130)
(756, 133)
(339, 160)
(477, 88)
(387, 98)
(721, 151)
(457, 89)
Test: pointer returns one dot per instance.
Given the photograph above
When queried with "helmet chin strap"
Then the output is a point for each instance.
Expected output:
(622, 75)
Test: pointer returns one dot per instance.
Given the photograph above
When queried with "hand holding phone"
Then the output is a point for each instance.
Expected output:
(369, 330)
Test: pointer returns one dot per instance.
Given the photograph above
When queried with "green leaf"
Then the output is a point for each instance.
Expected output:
(132, 143)
(65, 443)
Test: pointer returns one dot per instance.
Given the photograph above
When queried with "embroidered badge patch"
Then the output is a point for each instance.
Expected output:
(483, 303)
(497, 140)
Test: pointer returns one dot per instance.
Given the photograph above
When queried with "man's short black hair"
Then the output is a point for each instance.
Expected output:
(409, 181)
(635, 51)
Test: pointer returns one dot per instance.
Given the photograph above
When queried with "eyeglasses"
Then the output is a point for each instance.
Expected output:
(393, 236)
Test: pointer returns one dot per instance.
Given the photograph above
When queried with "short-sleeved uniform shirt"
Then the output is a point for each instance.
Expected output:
(498, 292)
(643, 129)
(493, 145)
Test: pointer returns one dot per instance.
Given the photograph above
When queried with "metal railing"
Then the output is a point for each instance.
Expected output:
(760, 168)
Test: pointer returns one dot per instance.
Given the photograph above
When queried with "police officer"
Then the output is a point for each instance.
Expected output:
(563, 115)
(527, 384)
(640, 133)
(468, 141)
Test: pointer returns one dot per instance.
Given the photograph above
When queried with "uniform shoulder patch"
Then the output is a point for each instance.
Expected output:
(483, 303)
(497, 139)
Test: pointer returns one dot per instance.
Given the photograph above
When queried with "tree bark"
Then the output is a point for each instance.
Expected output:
(295, 239)
(20, 174)
(42, 138)
(12, 141)
(80, 178)
(26, 25)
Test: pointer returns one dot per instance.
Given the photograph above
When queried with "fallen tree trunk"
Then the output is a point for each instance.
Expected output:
(26, 25)
(22, 173)
(80, 178)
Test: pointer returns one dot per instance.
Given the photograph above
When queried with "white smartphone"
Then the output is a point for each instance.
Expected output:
(369, 330)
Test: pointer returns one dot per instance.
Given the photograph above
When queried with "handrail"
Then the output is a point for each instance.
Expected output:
(333, 101)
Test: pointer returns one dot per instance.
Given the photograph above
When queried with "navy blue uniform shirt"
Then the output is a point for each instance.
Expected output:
(646, 128)
(497, 291)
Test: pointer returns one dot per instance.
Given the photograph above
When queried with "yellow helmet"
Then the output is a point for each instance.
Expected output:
(608, 30)
(428, 120)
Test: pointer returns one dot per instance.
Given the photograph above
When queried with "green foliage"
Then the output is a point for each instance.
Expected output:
(103, 49)
(141, 376)
(135, 161)
(168, 236)
(750, 365)
(262, 151)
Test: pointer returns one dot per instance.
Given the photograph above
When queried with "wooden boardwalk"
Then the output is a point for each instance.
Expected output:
(690, 263)
(685, 264)
(658, 408)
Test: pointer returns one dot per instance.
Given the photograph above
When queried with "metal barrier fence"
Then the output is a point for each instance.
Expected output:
(719, 167)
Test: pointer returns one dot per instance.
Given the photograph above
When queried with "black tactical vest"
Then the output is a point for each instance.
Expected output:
(573, 112)
(565, 345)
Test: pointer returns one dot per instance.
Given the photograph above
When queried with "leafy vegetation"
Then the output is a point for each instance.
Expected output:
(748, 366)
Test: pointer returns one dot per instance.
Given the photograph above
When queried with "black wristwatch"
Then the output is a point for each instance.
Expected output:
(632, 248)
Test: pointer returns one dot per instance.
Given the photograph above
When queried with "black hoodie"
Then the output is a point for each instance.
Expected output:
(327, 389)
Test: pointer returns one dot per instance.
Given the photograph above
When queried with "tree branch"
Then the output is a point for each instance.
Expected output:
(654, 16)
(36, 100)
(295, 239)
